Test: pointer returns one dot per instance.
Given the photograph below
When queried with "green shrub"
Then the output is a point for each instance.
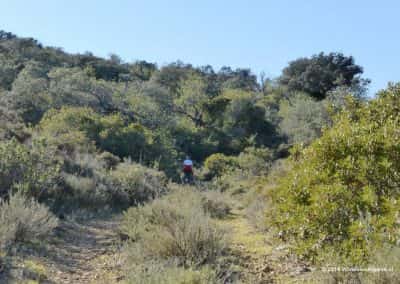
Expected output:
(33, 170)
(173, 227)
(244, 122)
(303, 118)
(233, 173)
(342, 195)
(80, 129)
(70, 129)
(131, 183)
(217, 164)
(23, 219)
(122, 140)
(11, 124)
(94, 181)
(255, 161)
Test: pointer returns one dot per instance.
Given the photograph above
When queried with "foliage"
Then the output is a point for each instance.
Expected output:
(192, 99)
(321, 73)
(8, 73)
(342, 194)
(68, 120)
(242, 79)
(23, 219)
(244, 122)
(218, 164)
(29, 94)
(123, 140)
(70, 129)
(37, 271)
(154, 115)
(11, 125)
(255, 161)
(32, 170)
(74, 129)
(173, 227)
(134, 184)
(74, 87)
(303, 119)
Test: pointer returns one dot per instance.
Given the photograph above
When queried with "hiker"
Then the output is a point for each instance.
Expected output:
(188, 170)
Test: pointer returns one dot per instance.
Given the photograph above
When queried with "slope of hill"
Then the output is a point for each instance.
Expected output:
(291, 174)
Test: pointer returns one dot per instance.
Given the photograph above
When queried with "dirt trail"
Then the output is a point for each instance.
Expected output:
(84, 252)
(260, 260)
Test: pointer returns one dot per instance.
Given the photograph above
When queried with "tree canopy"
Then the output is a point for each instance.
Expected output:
(321, 73)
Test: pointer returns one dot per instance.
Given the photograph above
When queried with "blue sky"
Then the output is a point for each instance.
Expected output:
(263, 35)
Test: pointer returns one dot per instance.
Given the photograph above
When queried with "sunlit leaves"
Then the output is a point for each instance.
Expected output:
(345, 186)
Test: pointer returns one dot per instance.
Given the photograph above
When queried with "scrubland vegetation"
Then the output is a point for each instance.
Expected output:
(301, 170)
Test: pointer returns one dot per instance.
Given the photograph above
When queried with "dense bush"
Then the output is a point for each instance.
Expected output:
(243, 122)
(70, 129)
(130, 140)
(11, 124)
(79, 129)
(235, 175)
(342, 195)
(173, 227)
(23, 219)
(33, 170)
(29, 94)
(303, 118)
(218, 164)
(135, 184)
(83, 192)
(255, 161)
(85, 182)
(95, 181)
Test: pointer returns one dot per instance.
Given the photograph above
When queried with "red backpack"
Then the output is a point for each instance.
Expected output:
(187, 169)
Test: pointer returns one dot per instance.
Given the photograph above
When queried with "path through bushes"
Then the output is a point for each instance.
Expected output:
(88, 251)
(81, 251)
(85, 252)
(259, 259)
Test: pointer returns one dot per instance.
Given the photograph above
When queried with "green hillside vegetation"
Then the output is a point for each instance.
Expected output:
(341, 195)
(304, 161)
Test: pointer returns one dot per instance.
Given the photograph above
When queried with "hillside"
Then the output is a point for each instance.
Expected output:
(291, 174)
